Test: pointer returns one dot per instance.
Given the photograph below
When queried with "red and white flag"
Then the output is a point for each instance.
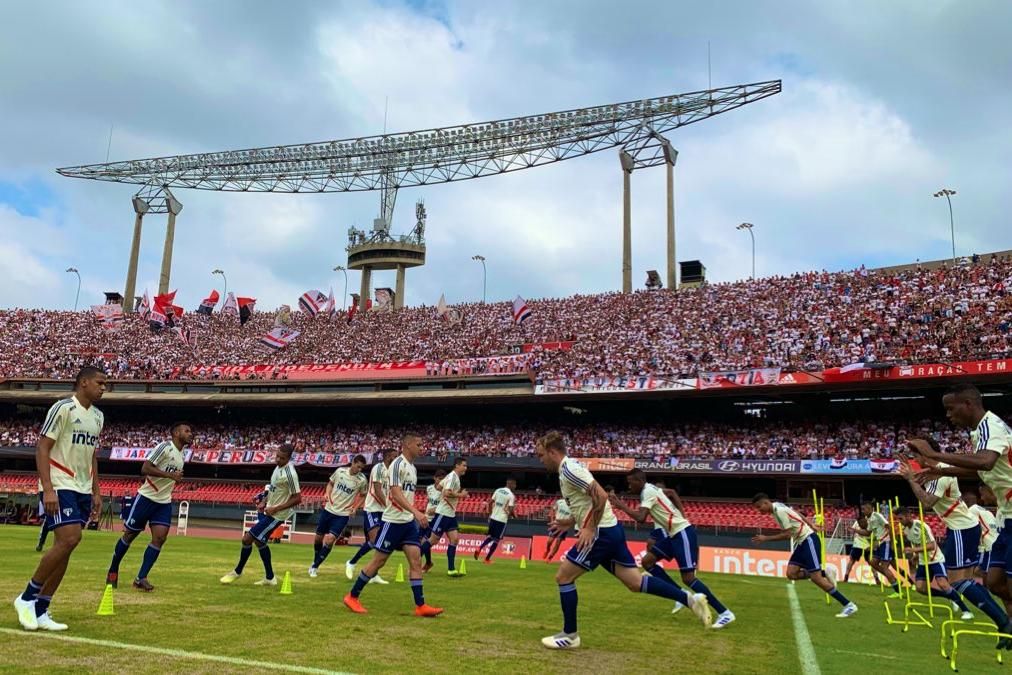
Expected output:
(312, 302)
(521, 312)
(110, 316)
(331, 307)
(279, 337)
(230, 306)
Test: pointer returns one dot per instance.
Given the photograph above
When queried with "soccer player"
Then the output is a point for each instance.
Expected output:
(601, 542)
(152, 507)
(432, 495)
(882, 554)
(282, 498)
(500, 507)
(446, 516)
(558, 528)
(988, 527)
(673, 538)
(400, 531)
(806, 558)
(375, 503)
(860, 548)
(44, 530)
(346, 487)
(68, 483)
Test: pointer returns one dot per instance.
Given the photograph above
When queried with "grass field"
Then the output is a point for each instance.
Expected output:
(493, 622)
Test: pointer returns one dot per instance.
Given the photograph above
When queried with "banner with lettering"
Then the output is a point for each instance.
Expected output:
(755, 377)
(596, 385)
(198, 456)
(320, 371)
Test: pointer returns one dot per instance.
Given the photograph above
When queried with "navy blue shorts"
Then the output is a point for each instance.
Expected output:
(962, 548)
(984, 561)
(331, 524)
(808, 554)
(883, 552)
(75, 509)
(496, 530)
(937, 570)
(371, 520)
(856, 553)
(681, 547)
(1000, 549)
(609, 549)
(395, 536)
(443, 524)
(145, 512)
(265, 525)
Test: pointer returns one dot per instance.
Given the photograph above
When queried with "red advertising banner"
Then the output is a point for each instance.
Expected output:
(756, 377)
(509, 547)
(924, 370)
(321, 371)
(548, 346)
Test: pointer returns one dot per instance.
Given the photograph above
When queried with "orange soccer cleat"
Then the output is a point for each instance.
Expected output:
(354, 605)
(488, 562)
(425, 610)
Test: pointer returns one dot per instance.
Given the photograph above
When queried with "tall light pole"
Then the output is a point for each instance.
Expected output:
(78, 296)
(224, 293)
(947, 193)
(749, 226)
(484, 275)
(344, 302)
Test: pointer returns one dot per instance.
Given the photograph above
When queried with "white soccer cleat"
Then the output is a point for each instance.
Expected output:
(313, 572)
(379, 580)
(966, 616)
(849, 610)
(230, 577)
(561, 641)
(349, 570)
(26, 613)
(46, 623)
(273, 581)
(723, 619)
(677, 608)
(700, 606)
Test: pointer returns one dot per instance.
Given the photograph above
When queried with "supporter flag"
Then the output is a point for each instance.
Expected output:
(185, 336)
(208, 304)
(312, 302)
(283, 318)
(279, 337)
(384, 300)
(883, 465)
(331, 307)
(110, 316)
(838, 462)
(246, 306)
(157, 318)
(442, 311)
(165, 299)
(353, 310)
(521, 312)
(860, 365)
(145, 306)
(230, 306)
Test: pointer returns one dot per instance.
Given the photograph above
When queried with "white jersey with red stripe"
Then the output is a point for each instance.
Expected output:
(74, 431)
(665, 514)
(993, 435)
(401, 473)
(789, 519)
(576, 480)
(949, 506)
(345, 490)
(377, 478)
(166, 457)
(447, 505)
(919, 535)
(988, 526)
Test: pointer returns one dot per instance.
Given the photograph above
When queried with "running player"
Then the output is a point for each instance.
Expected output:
(674, 538)
(500, 508)
(988, 527)
(860, 548)
(601, 542)
(881, 539)
(806, 558)
(282, 498)
(346, 487)
(432, 496)
(556, 531)
(68, 484)
(152, 507)
(375, 502)
(446, 516)
(400, 531)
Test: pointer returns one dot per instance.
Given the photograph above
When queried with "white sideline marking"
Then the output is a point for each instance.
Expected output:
(806, 652)
(177, 653)
(877, 656)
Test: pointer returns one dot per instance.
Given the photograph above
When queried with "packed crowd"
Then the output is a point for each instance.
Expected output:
(804, 321)
(812, 440)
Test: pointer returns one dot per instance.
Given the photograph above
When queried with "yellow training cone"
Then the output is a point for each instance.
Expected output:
(105, 607)
(523, 562)
(400, 573)
(286, 584)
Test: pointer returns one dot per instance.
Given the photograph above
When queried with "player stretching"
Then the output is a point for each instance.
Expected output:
(601, 542)
(68, 481)
(860, 548)
(988, 528)
(283, 496)
(806, 558)
(446, 517)
(674, 538)
(882, 554)
(345, 488)
(375, 503)
(556, 532)
(400, 531)
(432, 496)
(152, 507)
(500, 507)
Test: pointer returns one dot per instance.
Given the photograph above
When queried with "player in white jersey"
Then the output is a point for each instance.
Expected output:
(673, 538)
(500, 509)
(860, 548)
(345, 490)
(601, 542)
(806, 556)
(880, 538)
(988, 526)
(432, 496)
(445, 521)
(152, 506)
(283, 495)
(69, 489)
(558, 528)
(375, 502)
(401, 529)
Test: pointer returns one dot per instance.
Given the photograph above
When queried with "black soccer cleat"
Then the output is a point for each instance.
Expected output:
(143, 585)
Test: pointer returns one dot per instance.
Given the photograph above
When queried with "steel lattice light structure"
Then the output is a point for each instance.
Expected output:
(392, 161)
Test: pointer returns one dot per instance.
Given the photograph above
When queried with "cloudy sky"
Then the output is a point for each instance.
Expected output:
(882, 104)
